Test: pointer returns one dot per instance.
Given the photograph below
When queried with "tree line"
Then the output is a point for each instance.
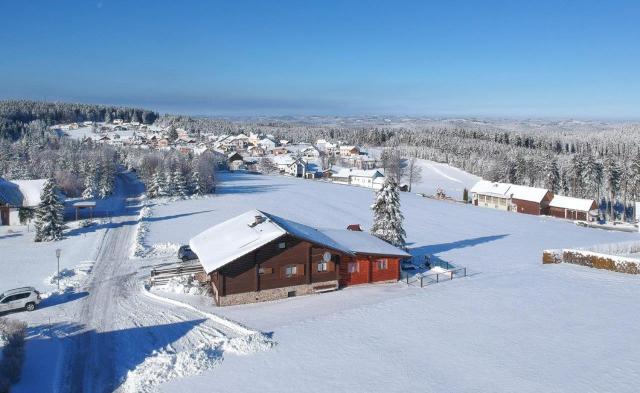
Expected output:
(16, 116)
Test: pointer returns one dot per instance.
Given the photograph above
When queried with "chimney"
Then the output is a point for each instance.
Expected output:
(354, 227)
(258, 220)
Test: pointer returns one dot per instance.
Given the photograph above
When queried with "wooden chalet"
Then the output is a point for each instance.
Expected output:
(257, 256)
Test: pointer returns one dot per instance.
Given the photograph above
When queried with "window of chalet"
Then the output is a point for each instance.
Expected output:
(282, 245)
(382, 264)
(325, 266)
(353, 267)
(265, 270)
(293, 270)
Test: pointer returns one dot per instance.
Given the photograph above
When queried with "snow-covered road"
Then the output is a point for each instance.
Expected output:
(125, 341)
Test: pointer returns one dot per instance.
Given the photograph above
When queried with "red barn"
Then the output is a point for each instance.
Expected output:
(258, 256)
(530, 200)
(573, 208)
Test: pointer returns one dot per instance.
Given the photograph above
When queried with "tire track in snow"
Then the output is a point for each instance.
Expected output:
(131, 342)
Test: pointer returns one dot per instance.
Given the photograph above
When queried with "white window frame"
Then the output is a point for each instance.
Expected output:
(323, 266)
(291, 270)
(383, 264)
(353, 267)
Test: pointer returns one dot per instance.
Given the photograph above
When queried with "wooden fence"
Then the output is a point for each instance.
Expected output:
(162, 275)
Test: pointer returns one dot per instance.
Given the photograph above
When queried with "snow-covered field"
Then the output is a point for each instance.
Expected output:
(512, 325)
(26, 263)
(442, 176)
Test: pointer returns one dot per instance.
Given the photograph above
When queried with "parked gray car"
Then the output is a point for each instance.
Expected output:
(26, 298)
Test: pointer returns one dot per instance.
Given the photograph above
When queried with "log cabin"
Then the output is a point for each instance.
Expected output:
(258, 256)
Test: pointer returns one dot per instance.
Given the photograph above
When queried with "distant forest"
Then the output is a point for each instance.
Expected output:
(16, 117)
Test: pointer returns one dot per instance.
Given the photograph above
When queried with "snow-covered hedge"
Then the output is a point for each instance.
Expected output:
(593, 259)
(620, 248)
(13, 334)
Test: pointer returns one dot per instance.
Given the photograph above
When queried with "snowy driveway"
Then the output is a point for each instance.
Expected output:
(121, 340)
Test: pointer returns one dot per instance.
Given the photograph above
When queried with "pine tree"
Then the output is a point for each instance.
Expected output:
(613, 175)
(49, 214)
(90, 183)
(195, 184)
(153, 191)
(387, 217)
(163, 189)
(169, 188)
(552, 175)
(180, 184)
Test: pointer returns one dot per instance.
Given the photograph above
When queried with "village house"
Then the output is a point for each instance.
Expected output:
(326, 146)
(257, 257)
(297, 168)
(493, 195)
(16, 194)
(372, 178)
(267, 144)
(347, 151)
(573, 208)
(279, 151)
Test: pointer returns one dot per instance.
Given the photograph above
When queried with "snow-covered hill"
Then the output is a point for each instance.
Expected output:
(513, 325)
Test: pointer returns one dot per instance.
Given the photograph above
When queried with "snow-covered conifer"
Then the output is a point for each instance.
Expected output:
(387, 217)
(49, 214)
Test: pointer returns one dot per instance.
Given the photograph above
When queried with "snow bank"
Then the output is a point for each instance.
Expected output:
(70, 278)
(138, 249)
(167, 364)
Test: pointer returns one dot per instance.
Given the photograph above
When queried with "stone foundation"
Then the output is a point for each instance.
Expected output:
(273, 294)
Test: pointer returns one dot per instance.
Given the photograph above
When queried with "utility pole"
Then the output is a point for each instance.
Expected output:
(58, 252)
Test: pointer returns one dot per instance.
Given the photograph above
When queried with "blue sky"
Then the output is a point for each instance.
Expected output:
(447, 58)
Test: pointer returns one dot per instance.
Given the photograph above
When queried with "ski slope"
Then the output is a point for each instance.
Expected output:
(512, 325)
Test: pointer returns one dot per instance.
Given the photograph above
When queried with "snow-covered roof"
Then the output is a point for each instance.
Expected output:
(234, 238)
(525, 193)
(284, 159)
(348, 172)
(490, 188)
(565, 202)
(9, 193)
(362, 243)
(366, 173)
(30, 190)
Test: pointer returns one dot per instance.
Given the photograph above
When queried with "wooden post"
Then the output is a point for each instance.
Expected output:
(256, 267)
(309, 264)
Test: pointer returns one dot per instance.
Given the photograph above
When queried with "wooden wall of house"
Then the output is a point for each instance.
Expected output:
(392, 272)
(527, 207)
(359, 273)
(317, 254)
(265, 268)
